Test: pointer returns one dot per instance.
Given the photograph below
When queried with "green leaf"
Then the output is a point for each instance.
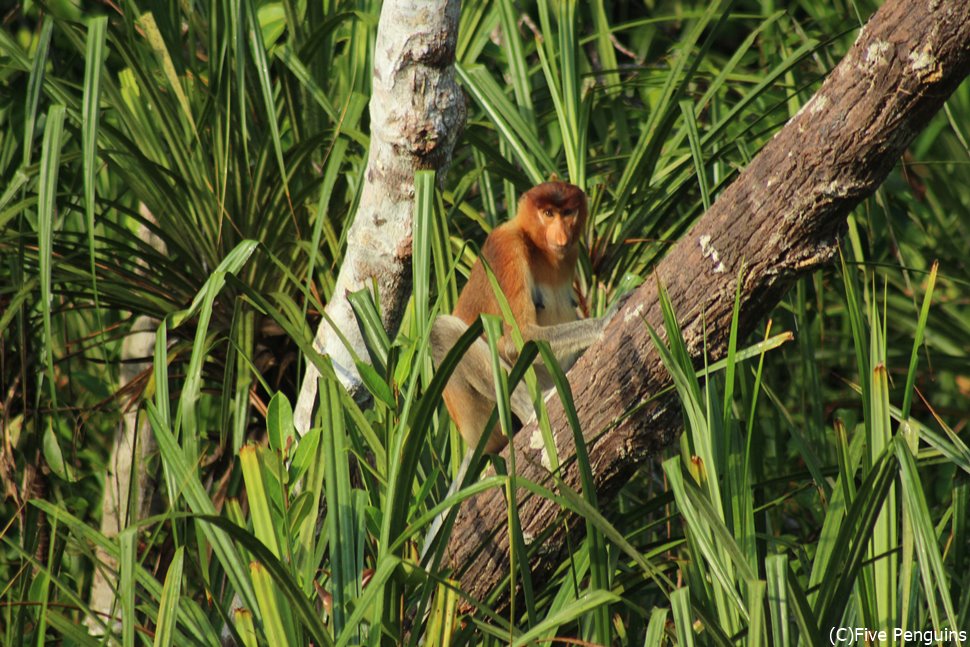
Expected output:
(93, 67)
(279, 422)
(936, 581)
(655, 629)
(184, 474)
(50, 161)
(510, 124)
(683, 623)
(576, 609)
(187, 416)
(154, 37)
(246, 628)
(918, 340)
(54, 457)
(269, 609)
(264, 524)
(35, 84)
(776, 570)
(168, 605)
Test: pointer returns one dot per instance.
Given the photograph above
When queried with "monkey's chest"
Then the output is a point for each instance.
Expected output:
(554, 304)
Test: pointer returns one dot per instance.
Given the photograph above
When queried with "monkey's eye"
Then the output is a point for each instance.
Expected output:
(568, 213)
(547, 213)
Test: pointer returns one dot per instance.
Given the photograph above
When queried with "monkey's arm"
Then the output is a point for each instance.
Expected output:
(565, 338)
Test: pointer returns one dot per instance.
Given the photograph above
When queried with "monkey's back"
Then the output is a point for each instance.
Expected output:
(504, 251)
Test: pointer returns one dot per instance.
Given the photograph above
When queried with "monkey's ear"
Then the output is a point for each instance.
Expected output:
(553, 177)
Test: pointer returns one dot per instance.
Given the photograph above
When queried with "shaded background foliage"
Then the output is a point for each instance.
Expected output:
(221, 123)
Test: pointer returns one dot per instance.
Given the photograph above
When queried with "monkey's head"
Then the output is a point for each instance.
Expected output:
(553, 214)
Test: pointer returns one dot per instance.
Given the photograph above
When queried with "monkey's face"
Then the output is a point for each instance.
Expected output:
(559, 227)
(558, 214)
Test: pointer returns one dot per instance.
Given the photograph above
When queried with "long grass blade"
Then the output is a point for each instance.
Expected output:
(93, 68)
(585, 604)
(50, 160)
(269, 608)
(936, 582)
(918, 340)
(199, 502)
(35, 83)
(168, 605)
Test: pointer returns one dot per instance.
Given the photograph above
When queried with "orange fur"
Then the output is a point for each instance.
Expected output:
(533, 257)
(522, 257)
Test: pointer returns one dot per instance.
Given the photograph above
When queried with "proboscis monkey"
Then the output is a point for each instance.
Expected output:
(533, 257)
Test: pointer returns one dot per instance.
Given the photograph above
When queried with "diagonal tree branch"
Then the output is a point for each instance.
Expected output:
(781, 219)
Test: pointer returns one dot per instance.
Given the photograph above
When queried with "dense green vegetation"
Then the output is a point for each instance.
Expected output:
(199, 164)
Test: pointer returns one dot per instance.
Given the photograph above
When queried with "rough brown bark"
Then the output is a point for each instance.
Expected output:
(781, 219)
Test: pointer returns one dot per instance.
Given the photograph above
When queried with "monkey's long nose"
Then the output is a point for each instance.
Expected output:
(560, 239)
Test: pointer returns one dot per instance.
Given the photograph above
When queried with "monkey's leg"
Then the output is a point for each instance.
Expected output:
(470, 393)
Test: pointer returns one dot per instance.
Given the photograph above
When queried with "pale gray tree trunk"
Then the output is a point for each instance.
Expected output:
(133, 445)
(417, 111)
(132, 448)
